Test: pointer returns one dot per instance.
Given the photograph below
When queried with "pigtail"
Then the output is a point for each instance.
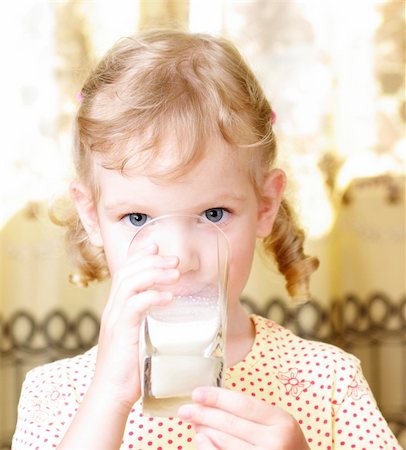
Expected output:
(90, 261)
(286, 244)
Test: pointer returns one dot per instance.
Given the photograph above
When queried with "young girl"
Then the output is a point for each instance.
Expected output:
(177, 123)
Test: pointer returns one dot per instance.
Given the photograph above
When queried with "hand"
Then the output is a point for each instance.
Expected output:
(228, 420)
(131, 295)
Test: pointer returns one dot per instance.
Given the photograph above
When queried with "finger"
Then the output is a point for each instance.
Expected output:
(238, 404)
(221, 440)
(137, 282)
(135, 309)
(203, 442)
(141, 253)
(143, 260)
(151, 261)
(221, 420)
(146, 279)
(134, 266)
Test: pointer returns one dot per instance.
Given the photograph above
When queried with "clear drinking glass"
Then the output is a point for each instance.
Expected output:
(182, 344)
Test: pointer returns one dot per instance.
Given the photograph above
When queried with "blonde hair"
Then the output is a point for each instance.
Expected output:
(161, 82)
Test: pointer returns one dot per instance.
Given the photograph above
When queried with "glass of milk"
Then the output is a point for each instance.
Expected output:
(182, 344)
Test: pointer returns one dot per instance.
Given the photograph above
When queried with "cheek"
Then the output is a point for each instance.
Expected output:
(240, 267)
(115, 249)
(114, 261)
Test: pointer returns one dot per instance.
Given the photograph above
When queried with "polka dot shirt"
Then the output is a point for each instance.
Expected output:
(319, 384)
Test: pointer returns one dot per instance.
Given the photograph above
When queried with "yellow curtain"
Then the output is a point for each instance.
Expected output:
(164, 13)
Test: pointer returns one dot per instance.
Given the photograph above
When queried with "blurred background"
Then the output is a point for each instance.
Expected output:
(334, 72)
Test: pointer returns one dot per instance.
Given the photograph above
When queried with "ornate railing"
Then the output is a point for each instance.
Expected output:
(370, 328)
(23, 335)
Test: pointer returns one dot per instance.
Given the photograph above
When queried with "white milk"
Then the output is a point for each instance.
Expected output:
(190, 333)
(182, 354)
(177, 376)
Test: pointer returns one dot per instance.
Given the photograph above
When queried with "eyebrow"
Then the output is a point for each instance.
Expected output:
(112, 205)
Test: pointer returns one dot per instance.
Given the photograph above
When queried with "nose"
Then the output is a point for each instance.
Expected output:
(177, 240)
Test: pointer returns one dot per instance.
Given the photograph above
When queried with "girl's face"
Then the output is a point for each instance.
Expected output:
(218, 188)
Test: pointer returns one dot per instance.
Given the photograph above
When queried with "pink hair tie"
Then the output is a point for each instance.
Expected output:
(273, 117)
(79, 97)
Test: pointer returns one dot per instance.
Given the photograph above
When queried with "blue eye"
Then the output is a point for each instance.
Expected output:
(136, 219)
(215, 214)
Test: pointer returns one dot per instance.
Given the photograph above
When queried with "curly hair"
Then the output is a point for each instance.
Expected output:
(169, 81)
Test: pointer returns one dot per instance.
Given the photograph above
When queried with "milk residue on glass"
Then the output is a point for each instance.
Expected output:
(183, 349)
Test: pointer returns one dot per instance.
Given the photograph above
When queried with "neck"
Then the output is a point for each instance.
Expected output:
(240, 335)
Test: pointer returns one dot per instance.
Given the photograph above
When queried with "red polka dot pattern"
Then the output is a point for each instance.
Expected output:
(319, 384)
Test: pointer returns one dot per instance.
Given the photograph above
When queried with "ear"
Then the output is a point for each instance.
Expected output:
(86, 208)
(272, 191)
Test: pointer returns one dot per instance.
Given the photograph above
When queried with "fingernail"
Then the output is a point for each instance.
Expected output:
(152, 248)
(185, 412)
(170, 260)
(199, 395)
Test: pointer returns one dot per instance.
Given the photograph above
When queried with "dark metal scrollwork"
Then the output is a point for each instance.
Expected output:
(23, 333)
(376, 317)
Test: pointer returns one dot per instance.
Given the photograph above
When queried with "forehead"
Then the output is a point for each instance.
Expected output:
(170, 159)
(167, 154)
(220, 171)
